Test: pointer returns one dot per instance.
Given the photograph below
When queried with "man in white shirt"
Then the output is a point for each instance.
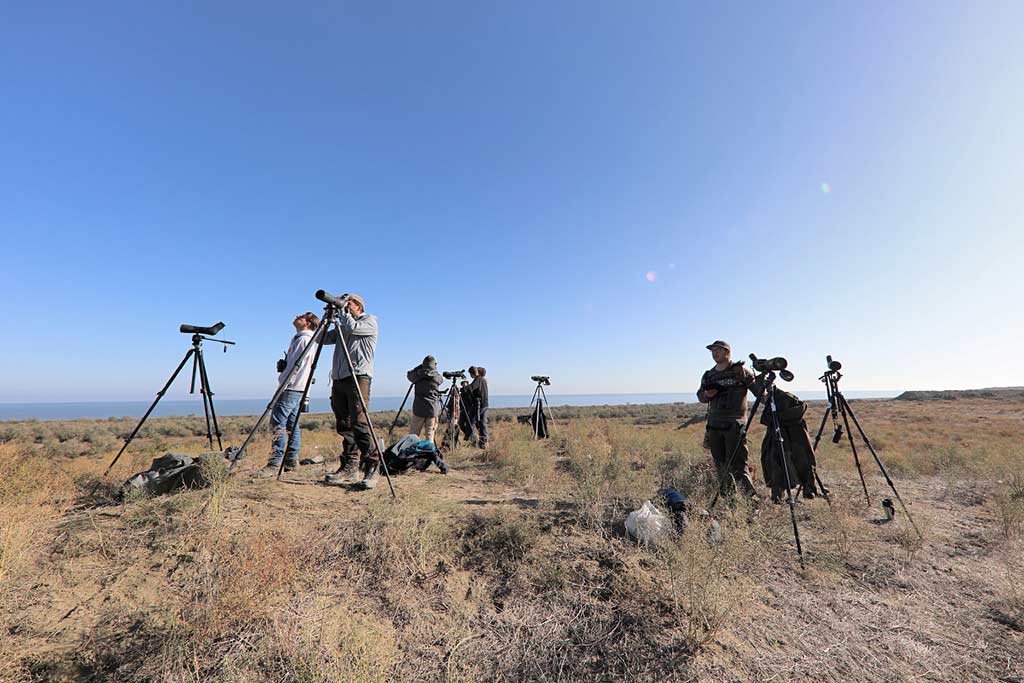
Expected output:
(284, 418)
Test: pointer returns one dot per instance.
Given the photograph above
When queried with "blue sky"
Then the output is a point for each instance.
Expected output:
(590, 190)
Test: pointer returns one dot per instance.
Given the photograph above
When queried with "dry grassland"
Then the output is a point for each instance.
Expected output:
(515, 566)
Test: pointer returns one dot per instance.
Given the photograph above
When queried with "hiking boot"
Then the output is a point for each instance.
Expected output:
(348, 473)
(268, 472)
(371, 473)
(290, 466)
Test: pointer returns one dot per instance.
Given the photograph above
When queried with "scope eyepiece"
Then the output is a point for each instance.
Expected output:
(196, 329)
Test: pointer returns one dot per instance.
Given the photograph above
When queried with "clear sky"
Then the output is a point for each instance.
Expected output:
(590, 190)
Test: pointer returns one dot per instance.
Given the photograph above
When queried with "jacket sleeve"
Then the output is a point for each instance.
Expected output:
(415, 375)
(435, 376)
(700, 391)
(331, 336)
(364, 327)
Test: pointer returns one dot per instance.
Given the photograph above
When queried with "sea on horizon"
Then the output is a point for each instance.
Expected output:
(100, 410)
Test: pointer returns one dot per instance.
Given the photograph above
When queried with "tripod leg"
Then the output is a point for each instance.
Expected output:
(853, 446)
(780, 443)
(159, 395)
(366, 411)
(547, 403)
(197, 362)
(318, 341)
(878, 461)
(821, 427)
(391, 429)
(305, 389)
(205, 379)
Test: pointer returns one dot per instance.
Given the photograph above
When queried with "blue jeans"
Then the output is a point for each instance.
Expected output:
(284, 418)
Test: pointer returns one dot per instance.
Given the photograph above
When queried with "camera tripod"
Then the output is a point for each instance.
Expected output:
(333, 305)
(199, 335)
(768, 389)
(541, 408)
(453, 405)
(839, 406)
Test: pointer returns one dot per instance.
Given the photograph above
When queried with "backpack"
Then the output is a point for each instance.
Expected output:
(411, 452)
(173, 472)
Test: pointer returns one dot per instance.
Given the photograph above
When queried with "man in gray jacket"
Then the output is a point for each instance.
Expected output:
(284, 418)
(360, 458)
(426, 382)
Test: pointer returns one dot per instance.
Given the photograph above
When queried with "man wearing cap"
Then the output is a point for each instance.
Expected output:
(426, 381)
(724, 388)
(360, 457)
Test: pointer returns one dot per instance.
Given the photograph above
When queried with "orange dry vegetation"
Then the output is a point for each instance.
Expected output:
(515, 566)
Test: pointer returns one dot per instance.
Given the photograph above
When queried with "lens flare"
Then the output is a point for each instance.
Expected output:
(825, 187)
(651, 276)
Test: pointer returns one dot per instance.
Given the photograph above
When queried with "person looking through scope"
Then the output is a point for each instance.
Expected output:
(724, 388)
(284, 419)
(478, 388)
(426, 381)
(360, 459)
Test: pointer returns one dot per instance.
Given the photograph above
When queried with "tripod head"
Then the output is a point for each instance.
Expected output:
(832, 375)
(199, 334)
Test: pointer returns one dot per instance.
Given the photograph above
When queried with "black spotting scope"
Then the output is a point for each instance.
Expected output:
(833, 365)
(195, 329)
(336, 301)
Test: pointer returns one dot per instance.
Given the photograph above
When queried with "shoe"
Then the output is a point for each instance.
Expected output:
(291, 468)
(268, 472)
(348, 473)
(371, 473)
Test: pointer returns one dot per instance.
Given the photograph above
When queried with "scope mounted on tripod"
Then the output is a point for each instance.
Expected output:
(454, 374)
(336, 301)
(543, 379)
(196, 329)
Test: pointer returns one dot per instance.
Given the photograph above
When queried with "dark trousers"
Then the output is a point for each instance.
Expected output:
(481, 426)
(725, 443)
(351, 421)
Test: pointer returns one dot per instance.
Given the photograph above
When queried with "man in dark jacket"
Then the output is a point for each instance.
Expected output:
(479, 391)
(724, 388)
(467, 413)
(426, 382)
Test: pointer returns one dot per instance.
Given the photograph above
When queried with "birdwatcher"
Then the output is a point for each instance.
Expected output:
(468, 412)
(360, 458)
(426, 406)
(478, 388)
(724, 388)
(284, 417)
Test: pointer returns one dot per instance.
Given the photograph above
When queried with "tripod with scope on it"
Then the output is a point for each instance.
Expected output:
(839, 407)
(199, 335)
(333, 304)
(541, 413)
(455, 409)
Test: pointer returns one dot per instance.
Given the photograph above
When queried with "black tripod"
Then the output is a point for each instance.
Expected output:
(541, 408)
(455, 408)
(333, 305)
(198, 370)
(768, 390)
(839, 406)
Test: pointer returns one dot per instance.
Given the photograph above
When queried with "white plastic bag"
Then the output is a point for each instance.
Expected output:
(647, 524)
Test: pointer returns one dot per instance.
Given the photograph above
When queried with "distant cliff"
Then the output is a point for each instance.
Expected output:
(1003, 393)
